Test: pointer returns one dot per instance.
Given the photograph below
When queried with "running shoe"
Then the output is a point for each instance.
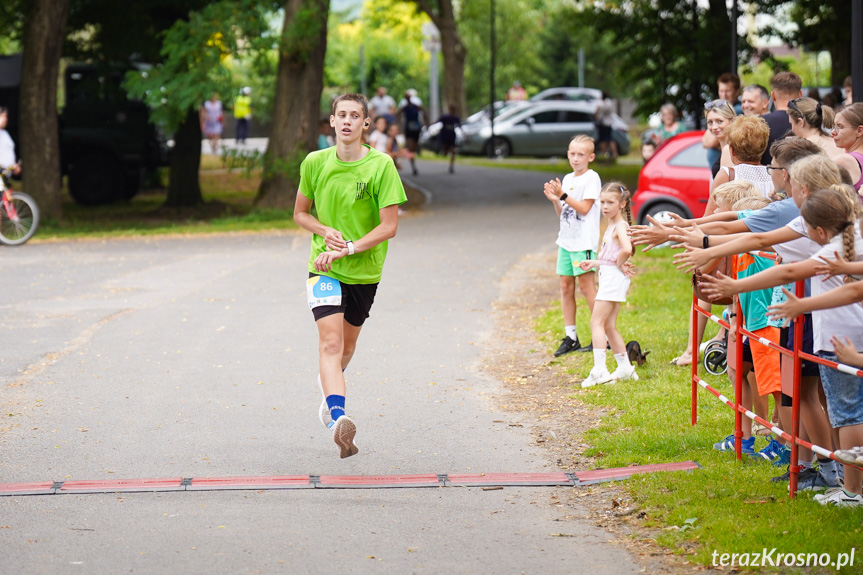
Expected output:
(813, 480)
(324, 410)
(747, 446)
(784, 478)
(784, 457)
(772, 452)
(595, 377)
(624, 372)
(344, 432)
(567, 345)
(838, 496)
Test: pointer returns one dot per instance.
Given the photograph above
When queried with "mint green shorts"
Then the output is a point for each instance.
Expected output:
(567, 261)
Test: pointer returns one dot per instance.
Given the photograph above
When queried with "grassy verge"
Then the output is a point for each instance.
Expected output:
(727, 506)
(228, 207)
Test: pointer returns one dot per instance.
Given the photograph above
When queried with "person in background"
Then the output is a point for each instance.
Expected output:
(446, 136)
(243, 114)
(849, 96)
(604, 118)
(412, 114)
(848, 135)
(670, 125)
(378, 139)
(728, 88)
(325, 136)
(813, 120)
(8, 158)
(516, 93)
(784, 86)
(755, 100)
(383, 104)
(211, 121)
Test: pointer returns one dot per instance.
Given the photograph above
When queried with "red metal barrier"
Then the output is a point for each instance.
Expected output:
(739, 411)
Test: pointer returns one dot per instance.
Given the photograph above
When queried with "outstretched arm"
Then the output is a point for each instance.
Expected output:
(723, 286)
(843, 295)
(694, 257)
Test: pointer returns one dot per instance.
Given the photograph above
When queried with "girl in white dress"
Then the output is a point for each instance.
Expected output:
(614, 253)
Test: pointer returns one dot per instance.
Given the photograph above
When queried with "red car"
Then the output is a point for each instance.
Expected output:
(676, 179)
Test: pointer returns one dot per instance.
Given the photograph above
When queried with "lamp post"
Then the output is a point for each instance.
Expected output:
(857, 50)
(491, 80)
(431, 42)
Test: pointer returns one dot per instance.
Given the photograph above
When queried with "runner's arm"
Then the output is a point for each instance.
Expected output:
(303, 218)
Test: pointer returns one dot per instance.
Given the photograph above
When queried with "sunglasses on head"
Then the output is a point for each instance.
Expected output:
(715, 104)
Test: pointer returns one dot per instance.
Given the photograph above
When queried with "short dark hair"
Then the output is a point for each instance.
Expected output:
(3, 110)
(357, 98)
(729, 78)
(789, 150)
(786, 83)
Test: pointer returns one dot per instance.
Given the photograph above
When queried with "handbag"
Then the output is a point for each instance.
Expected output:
(720, 265)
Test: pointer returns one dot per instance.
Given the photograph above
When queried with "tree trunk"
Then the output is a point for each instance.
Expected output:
(40, 132)
(454, 53)
(296, 109)
(840, 63)
(184, 188)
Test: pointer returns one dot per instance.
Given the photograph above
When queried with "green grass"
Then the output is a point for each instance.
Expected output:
(734, 506)
(228, 207)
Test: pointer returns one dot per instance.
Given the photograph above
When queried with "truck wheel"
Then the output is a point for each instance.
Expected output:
(96, 179)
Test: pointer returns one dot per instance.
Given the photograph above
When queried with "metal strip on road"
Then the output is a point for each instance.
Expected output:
(557, 479)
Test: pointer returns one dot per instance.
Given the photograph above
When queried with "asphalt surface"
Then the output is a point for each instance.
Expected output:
(195, 357)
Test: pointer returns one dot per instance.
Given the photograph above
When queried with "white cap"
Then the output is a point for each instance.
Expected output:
(412, 93)
(246, 90)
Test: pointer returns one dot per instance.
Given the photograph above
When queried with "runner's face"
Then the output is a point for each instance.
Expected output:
(348, 121)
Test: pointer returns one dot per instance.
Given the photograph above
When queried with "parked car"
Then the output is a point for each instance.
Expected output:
(429, 134)
(542, 128)
(106, 139)
(572, 94)
(676, 179)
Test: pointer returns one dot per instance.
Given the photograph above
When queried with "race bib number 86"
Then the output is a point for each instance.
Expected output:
(322, 290)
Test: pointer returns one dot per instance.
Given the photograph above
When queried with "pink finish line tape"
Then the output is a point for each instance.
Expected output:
(338, 481)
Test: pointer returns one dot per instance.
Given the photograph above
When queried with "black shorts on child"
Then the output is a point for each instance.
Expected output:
(357, 300)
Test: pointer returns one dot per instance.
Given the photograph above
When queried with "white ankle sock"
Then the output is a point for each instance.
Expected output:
(599, 360)
(570, 332)
(622, 359)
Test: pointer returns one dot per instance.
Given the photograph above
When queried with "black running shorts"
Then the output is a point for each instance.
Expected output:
(357, 300)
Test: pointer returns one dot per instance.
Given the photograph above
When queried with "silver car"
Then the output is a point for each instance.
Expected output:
(541, 128)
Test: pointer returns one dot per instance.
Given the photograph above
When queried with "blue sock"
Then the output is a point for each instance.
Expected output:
(336, 403)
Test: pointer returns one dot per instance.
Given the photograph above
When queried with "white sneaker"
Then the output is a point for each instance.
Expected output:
(596, 377)
(837, 496)
(324, 410)
(344, 432)
(625, 372)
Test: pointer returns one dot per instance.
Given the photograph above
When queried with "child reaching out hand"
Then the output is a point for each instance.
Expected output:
(614, 201)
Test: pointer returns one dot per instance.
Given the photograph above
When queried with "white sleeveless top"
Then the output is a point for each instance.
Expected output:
(756, 175)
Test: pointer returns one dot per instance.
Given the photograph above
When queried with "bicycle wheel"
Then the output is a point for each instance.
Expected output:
(19, 223)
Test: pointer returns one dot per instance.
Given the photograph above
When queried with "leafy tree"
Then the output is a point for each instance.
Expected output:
(818, 25)
(667, 50)
(40, 144)
(389, 32)
(302, 49)
(443, 14)
(194, 54)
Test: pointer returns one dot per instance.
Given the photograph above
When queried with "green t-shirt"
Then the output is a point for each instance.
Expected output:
(348, 197)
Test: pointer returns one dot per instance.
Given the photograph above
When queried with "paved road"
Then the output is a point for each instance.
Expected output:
(183, 357)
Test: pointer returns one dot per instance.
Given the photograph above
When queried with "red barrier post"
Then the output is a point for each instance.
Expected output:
(794, 466)
(695, 345)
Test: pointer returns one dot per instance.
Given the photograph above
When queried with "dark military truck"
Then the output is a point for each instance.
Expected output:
(106, 139)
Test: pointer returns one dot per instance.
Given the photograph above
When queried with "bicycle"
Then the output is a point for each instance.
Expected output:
(19, 214)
